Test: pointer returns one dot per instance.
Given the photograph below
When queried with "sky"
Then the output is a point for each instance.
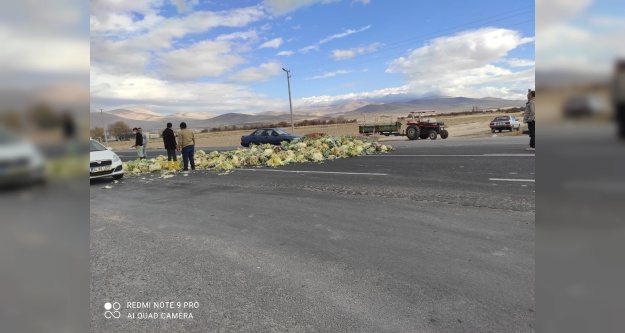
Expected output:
(214, 56)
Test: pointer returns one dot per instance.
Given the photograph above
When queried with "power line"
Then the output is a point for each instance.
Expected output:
(411, 40)
(347, 65)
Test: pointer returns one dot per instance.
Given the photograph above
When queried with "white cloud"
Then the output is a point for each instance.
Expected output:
(557, 11)
(131, 49)
(343, 34)
(203, 59)
(462, 65)
(571, 48)
(350, 53)
(328, 99)
(331, 74)
(163, 96)
(332, 37)
(281, 7)
(104, 7)
(184, 5)
(274, 43)
(284, 53)
(250, 35)
(22, 51)
(260, 73)
(521, 62)
(607, 21)
(364, 2)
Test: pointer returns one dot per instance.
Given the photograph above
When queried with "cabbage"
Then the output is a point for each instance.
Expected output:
(297, 151)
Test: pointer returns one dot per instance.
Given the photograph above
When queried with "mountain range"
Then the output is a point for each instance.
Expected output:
(149, 120)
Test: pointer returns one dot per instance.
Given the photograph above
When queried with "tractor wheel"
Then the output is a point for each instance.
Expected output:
(432, 135)
(444, 134)
(412, 132)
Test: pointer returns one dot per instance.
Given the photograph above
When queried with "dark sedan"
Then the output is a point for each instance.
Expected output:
(268, 135)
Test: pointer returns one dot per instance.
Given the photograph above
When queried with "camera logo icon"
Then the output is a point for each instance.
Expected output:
(108, 314)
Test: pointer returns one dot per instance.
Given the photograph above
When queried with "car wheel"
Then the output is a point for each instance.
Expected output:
(412, 132)
(492, 130)
(286, 141)
(118, 177)
(251, 144)
(432, 135)
(444, 134)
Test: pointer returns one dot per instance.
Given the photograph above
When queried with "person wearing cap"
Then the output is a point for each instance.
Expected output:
(169, 139)
(186, 143)
(138, 143)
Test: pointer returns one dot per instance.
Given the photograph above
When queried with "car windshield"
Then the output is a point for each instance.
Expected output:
(501, 118)
(6, 137)
(95, 146)
(281, 131)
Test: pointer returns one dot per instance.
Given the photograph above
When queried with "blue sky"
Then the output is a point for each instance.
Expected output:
(227, 56)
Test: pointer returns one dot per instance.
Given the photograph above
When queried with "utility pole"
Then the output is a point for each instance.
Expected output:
(288, 80)
(103, 127)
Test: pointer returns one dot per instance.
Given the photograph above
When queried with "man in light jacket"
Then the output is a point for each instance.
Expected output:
(145, 143)
(529, 119)
(186, 142)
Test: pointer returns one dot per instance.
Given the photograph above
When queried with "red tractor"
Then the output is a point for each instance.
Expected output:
(418, 124)
(423, 125)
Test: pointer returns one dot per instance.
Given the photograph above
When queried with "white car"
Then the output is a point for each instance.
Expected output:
(103, 162)
(20, 161)
(505, 123)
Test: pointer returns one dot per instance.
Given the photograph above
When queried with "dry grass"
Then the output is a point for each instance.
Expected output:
(459, 127)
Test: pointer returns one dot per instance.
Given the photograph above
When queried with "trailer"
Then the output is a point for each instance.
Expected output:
(417, 125)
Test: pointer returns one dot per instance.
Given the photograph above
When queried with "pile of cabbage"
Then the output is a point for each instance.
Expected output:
(297, 151)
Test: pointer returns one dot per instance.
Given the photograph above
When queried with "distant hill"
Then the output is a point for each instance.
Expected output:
(152, 121)
(137, 114)
(439, 104)
(194, 115)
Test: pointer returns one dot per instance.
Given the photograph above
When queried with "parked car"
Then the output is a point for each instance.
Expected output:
(583, 106)
(21, 163)
(268, 135)
(103, 162)
(505, 123)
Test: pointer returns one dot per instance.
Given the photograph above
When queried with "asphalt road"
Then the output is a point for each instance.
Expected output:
(401, 242)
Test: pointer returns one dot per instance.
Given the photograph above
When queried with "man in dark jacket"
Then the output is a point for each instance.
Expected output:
(169, 139)
(138, 143)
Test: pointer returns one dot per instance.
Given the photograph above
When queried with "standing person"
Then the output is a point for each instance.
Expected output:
(138, 143)
(145, 143)
(618, 96)
(69, 132)
(169, 139)
(186, 142)
(529, 119)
